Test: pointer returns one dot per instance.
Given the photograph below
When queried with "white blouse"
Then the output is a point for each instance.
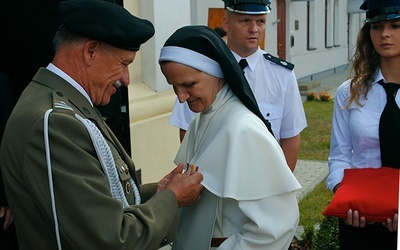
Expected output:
(355, 131)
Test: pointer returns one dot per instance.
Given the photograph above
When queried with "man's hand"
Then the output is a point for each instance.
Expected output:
(5, 213)
(185, 186)
(164, 181)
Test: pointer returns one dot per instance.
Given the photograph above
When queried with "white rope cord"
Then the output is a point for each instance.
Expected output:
(108, 164)
(48, 160)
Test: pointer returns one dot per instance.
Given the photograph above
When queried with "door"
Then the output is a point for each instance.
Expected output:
(215, 16)
(281, 29)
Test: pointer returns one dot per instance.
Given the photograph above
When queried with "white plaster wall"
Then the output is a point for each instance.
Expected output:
(154, 142)
(353, 6)
(135, 69)
(199, 10)
(297, 13)
(271, 35)
(166, 16)
(322, 58)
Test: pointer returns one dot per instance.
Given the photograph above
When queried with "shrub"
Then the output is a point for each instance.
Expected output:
(322, 96)
(325, 96)
(312, 96)
(327, 237)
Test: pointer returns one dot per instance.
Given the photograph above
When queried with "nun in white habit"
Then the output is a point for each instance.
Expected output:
(248, 201)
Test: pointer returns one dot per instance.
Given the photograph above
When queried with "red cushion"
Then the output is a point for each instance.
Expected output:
(374, 193)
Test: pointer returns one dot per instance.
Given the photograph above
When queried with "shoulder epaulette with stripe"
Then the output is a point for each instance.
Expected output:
(279, 61)
(59, 102)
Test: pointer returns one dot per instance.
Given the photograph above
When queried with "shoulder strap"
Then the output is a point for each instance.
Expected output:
(59, 102)
(279, 61)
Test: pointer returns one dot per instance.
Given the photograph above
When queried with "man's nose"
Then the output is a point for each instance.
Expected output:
(124, 80)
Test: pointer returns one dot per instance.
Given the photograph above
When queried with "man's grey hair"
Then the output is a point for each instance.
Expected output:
(65, 36)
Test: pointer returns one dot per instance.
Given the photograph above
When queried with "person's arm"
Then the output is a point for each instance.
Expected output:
(293, 121)
(340, 146)
(271, 226)
(290, 147)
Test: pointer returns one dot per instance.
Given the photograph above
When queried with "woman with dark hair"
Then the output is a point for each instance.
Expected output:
(365, 130)
(249, 198)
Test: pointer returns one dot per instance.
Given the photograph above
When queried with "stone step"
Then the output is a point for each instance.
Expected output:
(308, 85)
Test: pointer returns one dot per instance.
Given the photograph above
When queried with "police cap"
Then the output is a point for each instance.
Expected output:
(254, 7)
(381, 10)
(105, 21)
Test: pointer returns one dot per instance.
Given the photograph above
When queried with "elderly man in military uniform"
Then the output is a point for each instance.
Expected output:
(70, 183)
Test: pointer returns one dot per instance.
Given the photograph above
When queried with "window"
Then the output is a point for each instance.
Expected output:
(310, 26)
(328, 24)
(336, 30)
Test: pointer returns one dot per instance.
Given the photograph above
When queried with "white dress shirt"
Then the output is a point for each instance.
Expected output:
(355, 130)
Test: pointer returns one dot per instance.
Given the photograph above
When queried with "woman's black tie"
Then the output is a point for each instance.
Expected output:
(389, 128)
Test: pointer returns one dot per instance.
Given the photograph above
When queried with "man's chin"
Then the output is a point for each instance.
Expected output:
(104, 101)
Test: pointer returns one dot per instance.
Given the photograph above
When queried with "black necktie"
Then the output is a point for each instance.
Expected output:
(243, 63)
(389, 127)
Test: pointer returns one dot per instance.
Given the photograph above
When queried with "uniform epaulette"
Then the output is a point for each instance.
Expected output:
(59, 102)
(279, 61)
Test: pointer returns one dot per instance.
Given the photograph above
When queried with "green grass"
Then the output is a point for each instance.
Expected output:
(312, 205)
(315, 141)
(316, 137)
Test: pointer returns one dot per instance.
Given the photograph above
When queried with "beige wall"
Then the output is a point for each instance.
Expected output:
(154, 141)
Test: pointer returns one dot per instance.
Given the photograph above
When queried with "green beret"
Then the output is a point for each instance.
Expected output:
(105, 21)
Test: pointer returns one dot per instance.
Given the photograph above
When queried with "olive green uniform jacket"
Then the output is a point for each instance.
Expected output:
(88, 216)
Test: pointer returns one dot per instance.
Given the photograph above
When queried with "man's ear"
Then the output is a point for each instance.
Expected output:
(225, 23)
(89, 50)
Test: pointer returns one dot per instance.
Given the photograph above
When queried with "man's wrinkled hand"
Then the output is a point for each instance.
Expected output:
(164, 181)
(186, 187)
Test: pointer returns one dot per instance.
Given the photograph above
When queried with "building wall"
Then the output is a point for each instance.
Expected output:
(332, 45)
(154, 141)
